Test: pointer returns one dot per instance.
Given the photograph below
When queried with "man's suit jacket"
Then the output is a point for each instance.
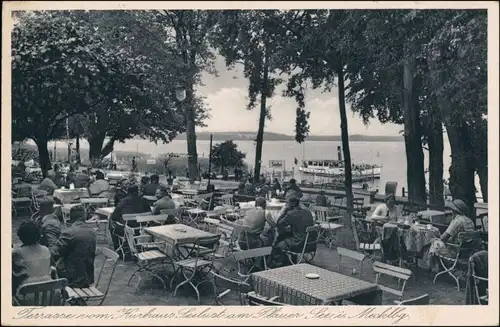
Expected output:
(76, 254)
(50, 228)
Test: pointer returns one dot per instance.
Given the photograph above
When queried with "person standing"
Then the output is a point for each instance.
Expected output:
(134, 165)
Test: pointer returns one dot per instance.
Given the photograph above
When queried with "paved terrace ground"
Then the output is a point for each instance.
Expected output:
(444, 292)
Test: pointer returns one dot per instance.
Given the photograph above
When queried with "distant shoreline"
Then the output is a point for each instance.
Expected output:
(275, 137)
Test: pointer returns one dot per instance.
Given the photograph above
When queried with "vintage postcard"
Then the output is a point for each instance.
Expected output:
(249, 163)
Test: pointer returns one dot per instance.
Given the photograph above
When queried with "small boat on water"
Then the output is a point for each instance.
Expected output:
(336, 169)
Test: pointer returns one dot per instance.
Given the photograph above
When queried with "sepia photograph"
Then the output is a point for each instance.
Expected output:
(218, 157)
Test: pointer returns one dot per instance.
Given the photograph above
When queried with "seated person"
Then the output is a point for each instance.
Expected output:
(76, 250)
(144, 181)
(249, 187)
(70, 176)
(265, 189)
(59, 178)
(293, 187)
(276, 188)
(100, 187)
(388, 210)
(460, 223)
(321, 199)
(48, 184)
(241, 188)
(296, 218)
(82, 179)
(50, 225)
(164, 202)
(132, 203)
(150, 188)
(255, 219)
(30, 261)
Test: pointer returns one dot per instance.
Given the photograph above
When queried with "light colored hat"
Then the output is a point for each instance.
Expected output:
(458, 206)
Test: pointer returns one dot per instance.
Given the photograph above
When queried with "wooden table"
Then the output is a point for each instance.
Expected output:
(105, 211)
(291, 285)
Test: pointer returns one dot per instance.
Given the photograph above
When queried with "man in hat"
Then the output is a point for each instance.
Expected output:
(321, 199)
(388, 210)
(292, 229)
(48, 184)
(293, 187)
(460, 222)
(50, 225)
(75, 252)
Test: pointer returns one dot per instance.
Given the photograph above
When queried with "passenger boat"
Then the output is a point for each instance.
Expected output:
(336, 169)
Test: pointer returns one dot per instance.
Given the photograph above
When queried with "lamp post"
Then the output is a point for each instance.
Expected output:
(180, 95)
(210, 162)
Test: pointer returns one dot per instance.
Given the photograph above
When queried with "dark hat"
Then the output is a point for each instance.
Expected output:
(458, 206)
(46, 204)
(292, 197)
(260, 202)
(133, 189)
(77, 212)
(390, 197)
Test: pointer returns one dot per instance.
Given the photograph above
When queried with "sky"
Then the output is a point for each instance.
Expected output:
(226, 95)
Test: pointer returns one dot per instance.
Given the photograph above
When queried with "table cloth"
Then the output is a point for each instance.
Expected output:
(293, 287)
(66, 195)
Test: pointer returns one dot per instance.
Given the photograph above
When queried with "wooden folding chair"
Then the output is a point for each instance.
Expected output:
(359, 257)
(401, 274)
(195, 269)
(99, 290)
(326, 223)
(310, 240)
(148, 260)
(470, 242)
(256, 299)
(49, 293)
(250, 260)
(230, 284)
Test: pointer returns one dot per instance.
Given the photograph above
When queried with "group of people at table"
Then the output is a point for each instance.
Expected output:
(390, 212)
(46, 244)
(48, 249)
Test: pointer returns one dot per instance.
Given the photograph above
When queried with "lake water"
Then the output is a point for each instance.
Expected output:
(391, 154)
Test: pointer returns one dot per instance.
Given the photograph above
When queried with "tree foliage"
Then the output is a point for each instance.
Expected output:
(252, 38)
(226, 155)
(60, 67)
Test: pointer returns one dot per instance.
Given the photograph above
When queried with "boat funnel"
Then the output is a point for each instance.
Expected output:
(339, 153)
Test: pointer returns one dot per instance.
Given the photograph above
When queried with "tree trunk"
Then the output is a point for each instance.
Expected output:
(481, 157)
(43, 155)
(191, 135)
(462, 168)
(262, 120)
(415, 174)
(436, 148)
(69, 151)
(95, 147)
(78, 156)
(483, 182)
(350, 221)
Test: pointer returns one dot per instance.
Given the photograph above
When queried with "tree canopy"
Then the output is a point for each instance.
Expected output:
(226, 155)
